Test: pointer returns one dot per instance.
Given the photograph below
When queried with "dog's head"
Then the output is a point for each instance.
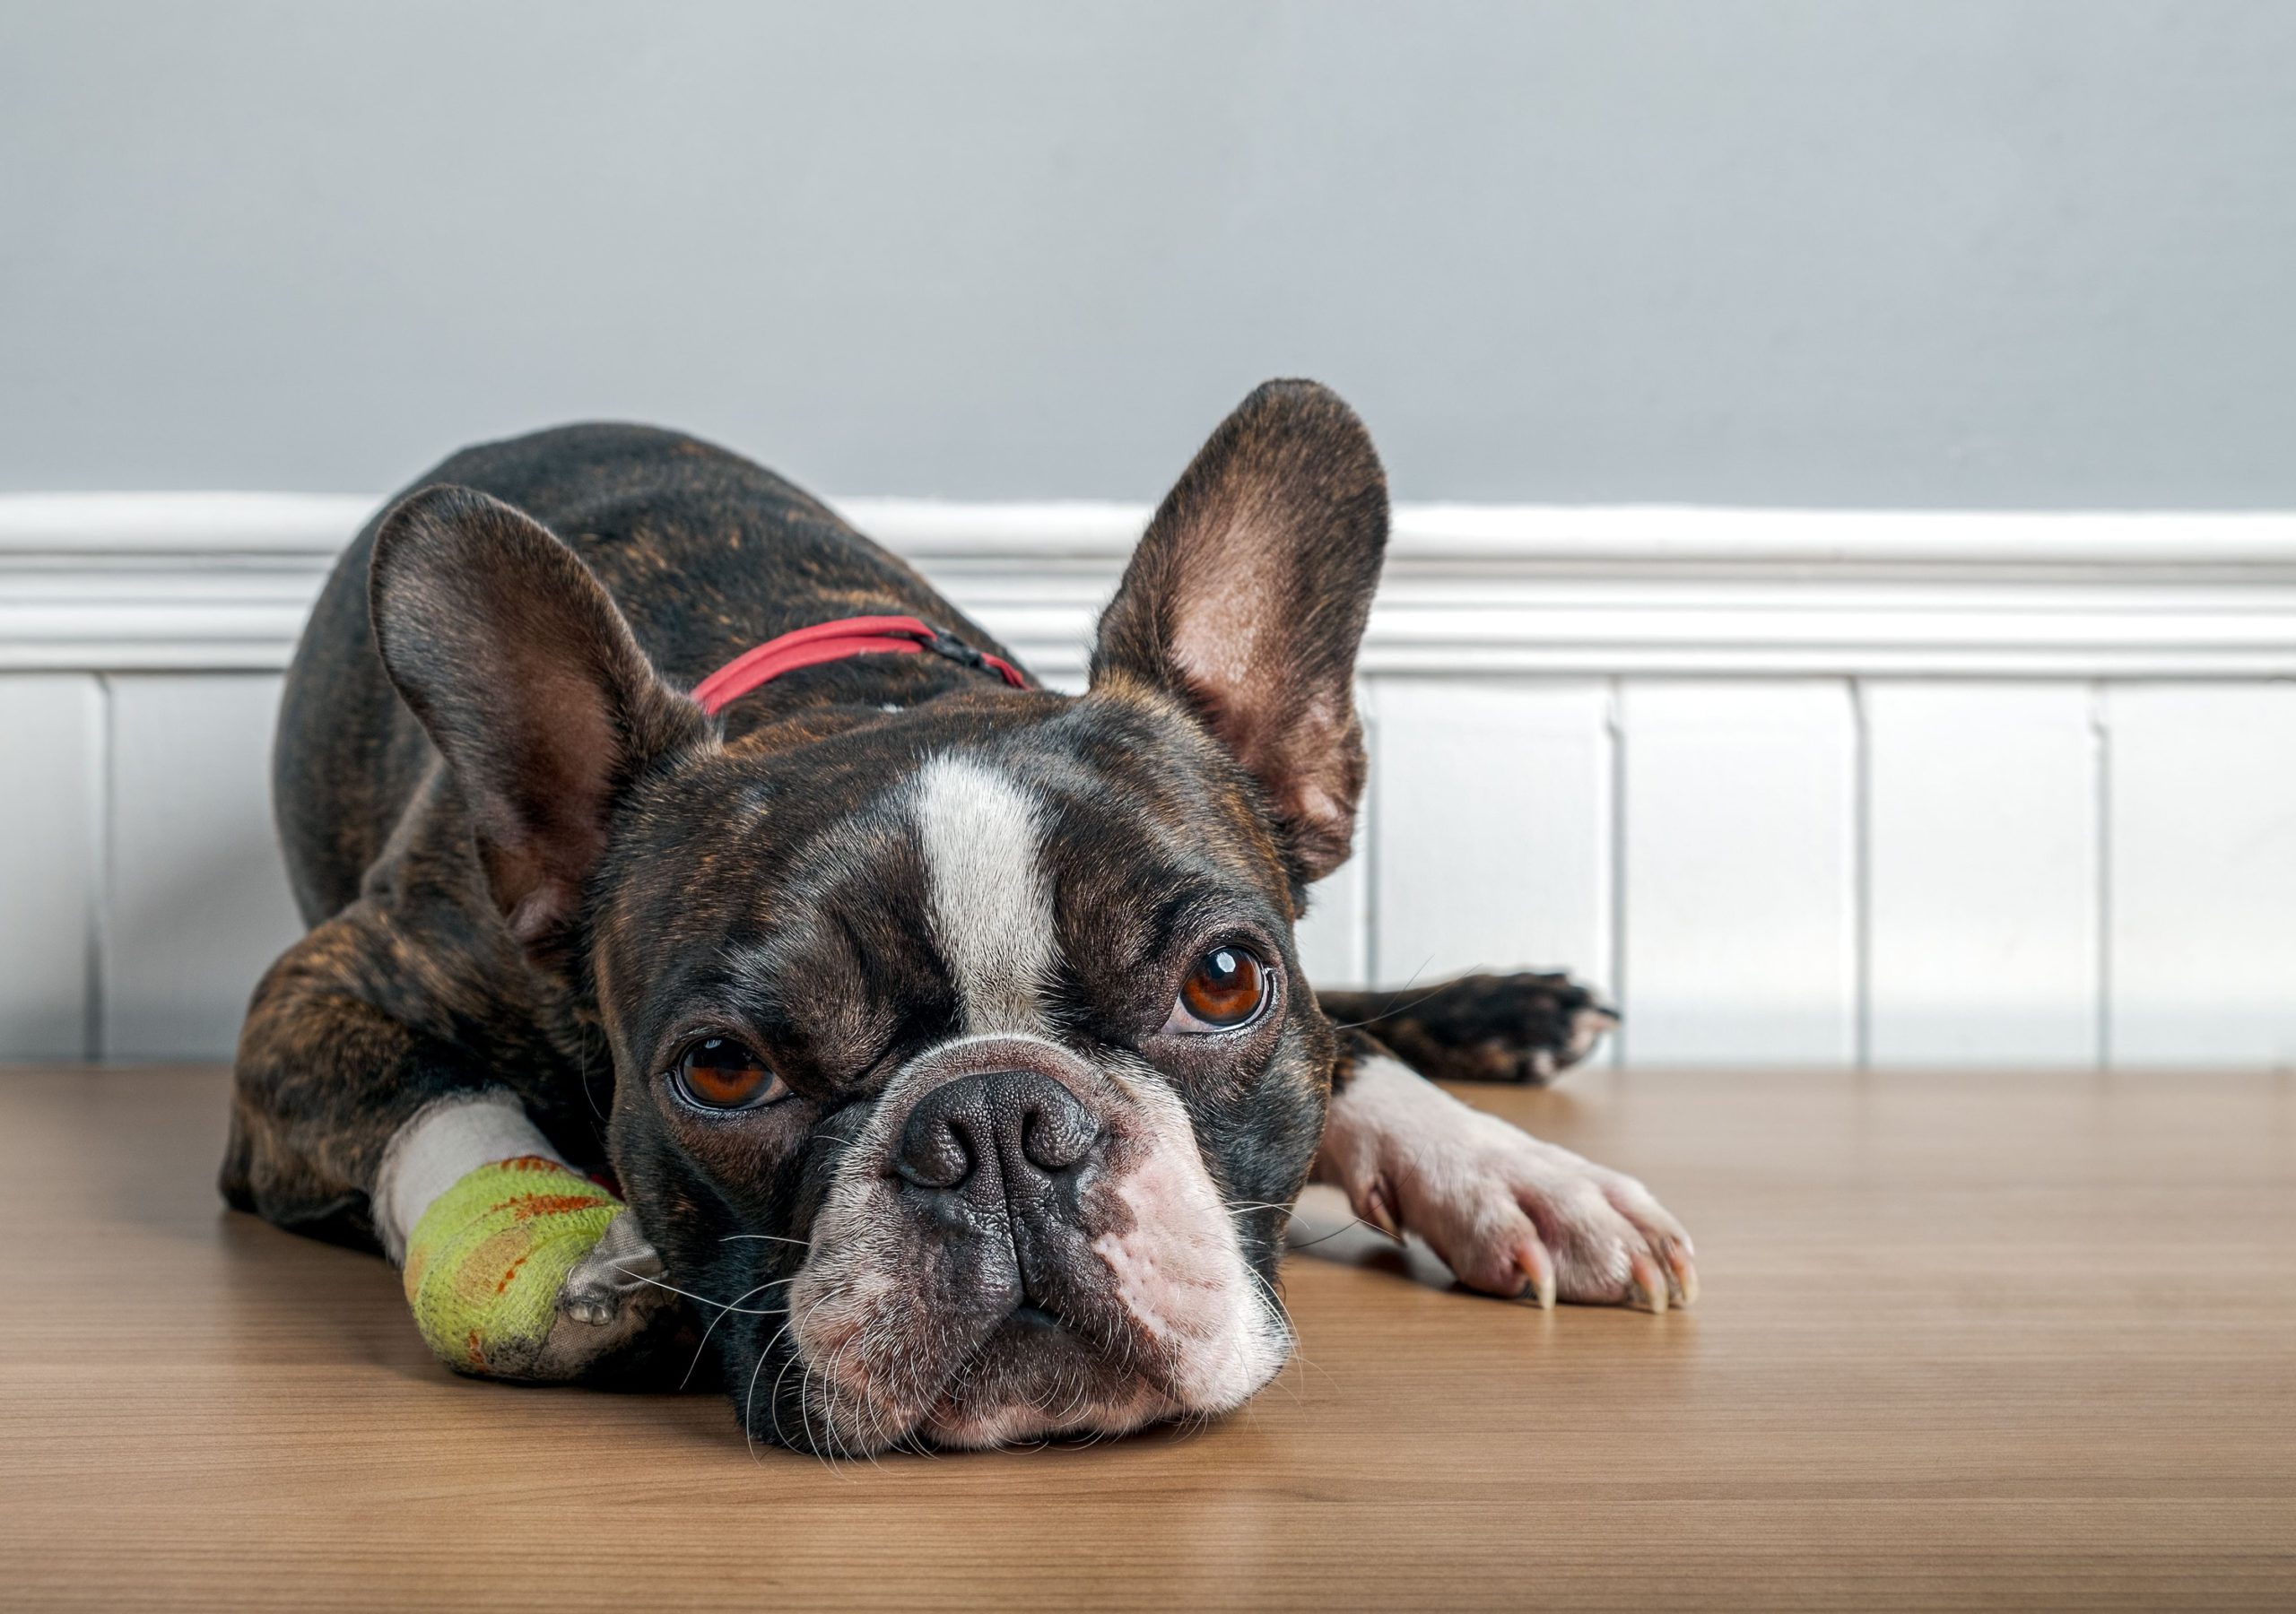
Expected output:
(962, 1054)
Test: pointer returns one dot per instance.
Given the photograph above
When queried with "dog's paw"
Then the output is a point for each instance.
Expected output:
(1499, 1028)
(1509, 1214)
(613, 1302)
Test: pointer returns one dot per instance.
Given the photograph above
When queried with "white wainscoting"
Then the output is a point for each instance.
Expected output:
(1797, 786)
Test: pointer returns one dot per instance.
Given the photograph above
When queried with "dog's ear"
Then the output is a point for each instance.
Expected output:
(1247, 599)
(510, 653)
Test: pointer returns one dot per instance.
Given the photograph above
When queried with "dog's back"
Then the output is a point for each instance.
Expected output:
(706, 553)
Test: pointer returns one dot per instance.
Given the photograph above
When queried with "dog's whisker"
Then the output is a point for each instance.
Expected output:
(703, 1344)
(749, 1401)
(1350, 1225)
(1392, 1010)
(773, 1398)
(697, 1299)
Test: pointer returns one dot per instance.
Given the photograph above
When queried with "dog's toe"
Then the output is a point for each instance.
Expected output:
(613, 1299)
(1508, 1213)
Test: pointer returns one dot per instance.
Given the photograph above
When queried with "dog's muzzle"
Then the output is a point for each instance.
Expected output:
(1022, 1244)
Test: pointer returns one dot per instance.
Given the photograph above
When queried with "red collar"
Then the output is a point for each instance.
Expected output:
(835, 641)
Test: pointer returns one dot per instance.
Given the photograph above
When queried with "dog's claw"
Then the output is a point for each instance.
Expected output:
(1509, 1214)
(1379, 1213)
(1682, 1276)
(619, 1270)
(1649, 1289)
(1538, 1268)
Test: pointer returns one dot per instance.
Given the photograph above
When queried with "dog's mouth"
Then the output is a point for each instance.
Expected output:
(900, 1356)
(953, 1380)
(1032, 1378)
(1037, 1376)
(1034, 1373)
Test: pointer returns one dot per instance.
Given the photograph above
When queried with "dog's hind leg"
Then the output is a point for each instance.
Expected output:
(1482, 1027)
(327, 1072)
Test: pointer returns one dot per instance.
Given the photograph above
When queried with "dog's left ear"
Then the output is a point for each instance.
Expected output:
(1247, 599)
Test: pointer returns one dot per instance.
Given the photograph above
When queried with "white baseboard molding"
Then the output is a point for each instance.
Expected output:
(223, 581)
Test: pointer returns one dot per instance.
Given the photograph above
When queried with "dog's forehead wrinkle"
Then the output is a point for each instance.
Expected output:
(796, 933)
(1152, 766)
(953, 1045)
(1168, 812)
(807, 897)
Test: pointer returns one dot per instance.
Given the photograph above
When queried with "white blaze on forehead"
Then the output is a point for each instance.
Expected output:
(982, 835)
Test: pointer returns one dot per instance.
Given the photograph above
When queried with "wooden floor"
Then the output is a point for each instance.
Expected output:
(1965, 1340)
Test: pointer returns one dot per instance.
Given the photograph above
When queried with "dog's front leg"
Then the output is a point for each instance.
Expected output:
(350, 1123)
(1509, 1214)
(516, 1265)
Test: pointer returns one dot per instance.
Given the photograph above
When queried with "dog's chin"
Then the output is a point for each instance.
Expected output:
(1029, 1378)
(1033, 1379)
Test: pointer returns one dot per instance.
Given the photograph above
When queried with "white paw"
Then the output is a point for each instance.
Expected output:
(1509, 1214)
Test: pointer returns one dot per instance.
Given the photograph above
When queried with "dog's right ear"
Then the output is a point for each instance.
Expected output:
(1246, 600)
(530, 683)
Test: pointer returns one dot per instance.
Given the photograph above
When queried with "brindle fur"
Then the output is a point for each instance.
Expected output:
(1480, 1028)
(529, 917)
(409, 985)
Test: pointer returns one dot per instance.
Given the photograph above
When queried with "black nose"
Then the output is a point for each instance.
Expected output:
(1014, 1131)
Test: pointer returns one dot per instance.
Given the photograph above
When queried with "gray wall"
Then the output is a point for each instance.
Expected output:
(1985, 252)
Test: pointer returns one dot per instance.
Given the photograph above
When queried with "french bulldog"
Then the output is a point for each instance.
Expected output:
(946, 1038)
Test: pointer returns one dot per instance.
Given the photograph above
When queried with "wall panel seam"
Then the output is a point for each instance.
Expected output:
(1614, 725)
(101, 837)
(2100, 751)
(1367, 951)
(1861, 877)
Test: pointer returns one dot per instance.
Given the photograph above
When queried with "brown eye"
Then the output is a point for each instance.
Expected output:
(721, 1073)
(1226, 988)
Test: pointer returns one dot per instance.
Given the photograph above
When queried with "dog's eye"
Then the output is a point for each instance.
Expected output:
(1227, 988)
(720, 1073)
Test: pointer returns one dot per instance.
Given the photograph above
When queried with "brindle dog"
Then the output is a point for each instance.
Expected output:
(1029, 1076)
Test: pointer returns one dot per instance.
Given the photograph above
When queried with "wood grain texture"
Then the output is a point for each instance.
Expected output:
(1967, 1341)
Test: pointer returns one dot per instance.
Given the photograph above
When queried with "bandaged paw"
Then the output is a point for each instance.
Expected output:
(525, 1269)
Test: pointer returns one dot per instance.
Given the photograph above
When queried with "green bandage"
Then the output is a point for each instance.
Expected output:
(485, 1264)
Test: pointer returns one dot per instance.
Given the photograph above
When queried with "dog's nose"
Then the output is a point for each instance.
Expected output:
(1013, 1130)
